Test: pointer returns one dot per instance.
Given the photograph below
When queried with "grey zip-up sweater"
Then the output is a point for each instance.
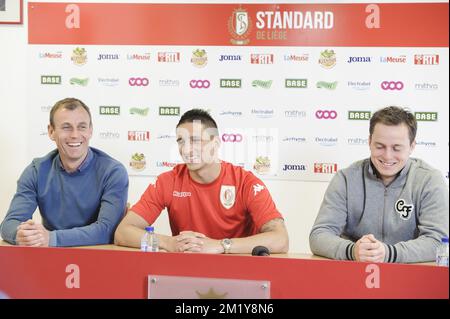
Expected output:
(410, 215)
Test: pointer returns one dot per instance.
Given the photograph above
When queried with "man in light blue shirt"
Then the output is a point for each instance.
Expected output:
(81, 192)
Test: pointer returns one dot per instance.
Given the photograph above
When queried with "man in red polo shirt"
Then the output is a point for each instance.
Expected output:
(213, 206)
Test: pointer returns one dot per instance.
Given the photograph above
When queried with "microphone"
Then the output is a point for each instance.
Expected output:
(260, 251)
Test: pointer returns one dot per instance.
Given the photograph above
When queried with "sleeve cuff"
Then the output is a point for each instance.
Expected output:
(391, 253)
(350, 251)
(52, 239)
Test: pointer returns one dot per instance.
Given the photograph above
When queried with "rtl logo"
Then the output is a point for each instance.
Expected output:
(261, 58)
(325, 168)
(170, 57)
(426, 59)
(143, 136)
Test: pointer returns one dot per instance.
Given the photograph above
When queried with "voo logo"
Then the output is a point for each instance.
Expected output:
(232, 138)
(325, 114)
(199, 84)
(392, 85)
(138, 81)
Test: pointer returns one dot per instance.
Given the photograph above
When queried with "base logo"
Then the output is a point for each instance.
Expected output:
(50, 79)
(169, 110)
(137, 162)
(239, 26)
(426, 116)
(359, 115)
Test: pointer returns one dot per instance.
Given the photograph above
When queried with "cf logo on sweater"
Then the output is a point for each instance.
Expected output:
(403, 209)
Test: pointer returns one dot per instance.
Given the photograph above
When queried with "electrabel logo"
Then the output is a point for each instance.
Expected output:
(426, 59)
(261, 58)
(138, 81)
(108, 56)
(325, 168)
(392, 85)
(359, 85)
(169, 110)
(296, 83)
(393, 59)
(231, 83)
(359, 59)
(426, 116)
(296, 58)
(294, 167)
(108, 81)
(230, 57)
(50, 55)
(326, 141)
(233, 138)
(109, 110)
(359, 115)
(50, 79)
(326, 114)
(139, 57)
(199, 84)
(140, 136)
(263, 113)
(169, 57)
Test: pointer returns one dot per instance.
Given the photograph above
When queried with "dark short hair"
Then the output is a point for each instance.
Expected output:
(69, 103)
(394, 115)
(199, 115)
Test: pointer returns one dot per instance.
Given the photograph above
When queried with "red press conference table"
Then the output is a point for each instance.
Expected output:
(108, 271)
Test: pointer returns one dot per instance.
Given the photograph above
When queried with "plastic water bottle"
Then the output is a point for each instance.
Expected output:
(149, 241)
(442, 253)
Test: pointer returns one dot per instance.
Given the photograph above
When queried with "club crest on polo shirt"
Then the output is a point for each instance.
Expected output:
(227, 196)
(404, 210)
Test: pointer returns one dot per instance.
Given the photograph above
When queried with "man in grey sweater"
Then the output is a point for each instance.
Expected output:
(387, 208)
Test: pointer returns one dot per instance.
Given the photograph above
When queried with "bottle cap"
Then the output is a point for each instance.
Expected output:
(149, 228)
(444, 240)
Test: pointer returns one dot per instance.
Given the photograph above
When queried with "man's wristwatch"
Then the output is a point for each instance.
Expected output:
(226, 243)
